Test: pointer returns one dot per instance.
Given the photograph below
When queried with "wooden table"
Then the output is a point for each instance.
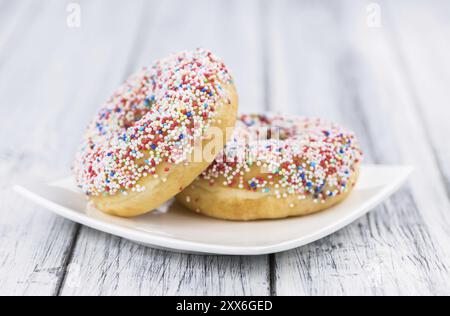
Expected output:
(382, 70)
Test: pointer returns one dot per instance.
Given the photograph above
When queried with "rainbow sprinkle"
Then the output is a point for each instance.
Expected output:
(154, 117)
(306, 157)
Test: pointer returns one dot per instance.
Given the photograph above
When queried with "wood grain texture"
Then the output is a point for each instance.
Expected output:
(421, 34)
(109, 266)
(33, 243)
(309, 57)
(36, 245)
(350, 73)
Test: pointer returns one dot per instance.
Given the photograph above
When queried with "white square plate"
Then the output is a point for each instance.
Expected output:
(174, 228)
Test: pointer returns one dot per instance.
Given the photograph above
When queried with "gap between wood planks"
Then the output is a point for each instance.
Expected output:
(413, 223)
(263, 18)
(28, 264)
(267, 84)
(129, 67)
(127, 70)
(415, 52)
(394, 39)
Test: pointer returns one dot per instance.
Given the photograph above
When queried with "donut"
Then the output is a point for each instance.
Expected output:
(277, 167)
(137, 152)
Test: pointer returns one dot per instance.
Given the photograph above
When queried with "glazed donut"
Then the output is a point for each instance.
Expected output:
(277, 167)
(137, 152)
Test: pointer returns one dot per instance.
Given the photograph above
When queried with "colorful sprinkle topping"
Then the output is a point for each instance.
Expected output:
(294, 156)
(154, 117)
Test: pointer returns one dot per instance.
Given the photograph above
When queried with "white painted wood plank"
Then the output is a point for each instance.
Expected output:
(391, 251)
(327, 62)
(105, 265)
(12, 15)
(49, 84)
(33, 244)
(421, 34)
(404, 123)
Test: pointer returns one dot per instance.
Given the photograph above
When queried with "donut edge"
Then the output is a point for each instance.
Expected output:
(239, 205)
(167, 185)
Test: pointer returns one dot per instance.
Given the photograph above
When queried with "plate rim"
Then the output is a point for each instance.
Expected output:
(186, 246)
